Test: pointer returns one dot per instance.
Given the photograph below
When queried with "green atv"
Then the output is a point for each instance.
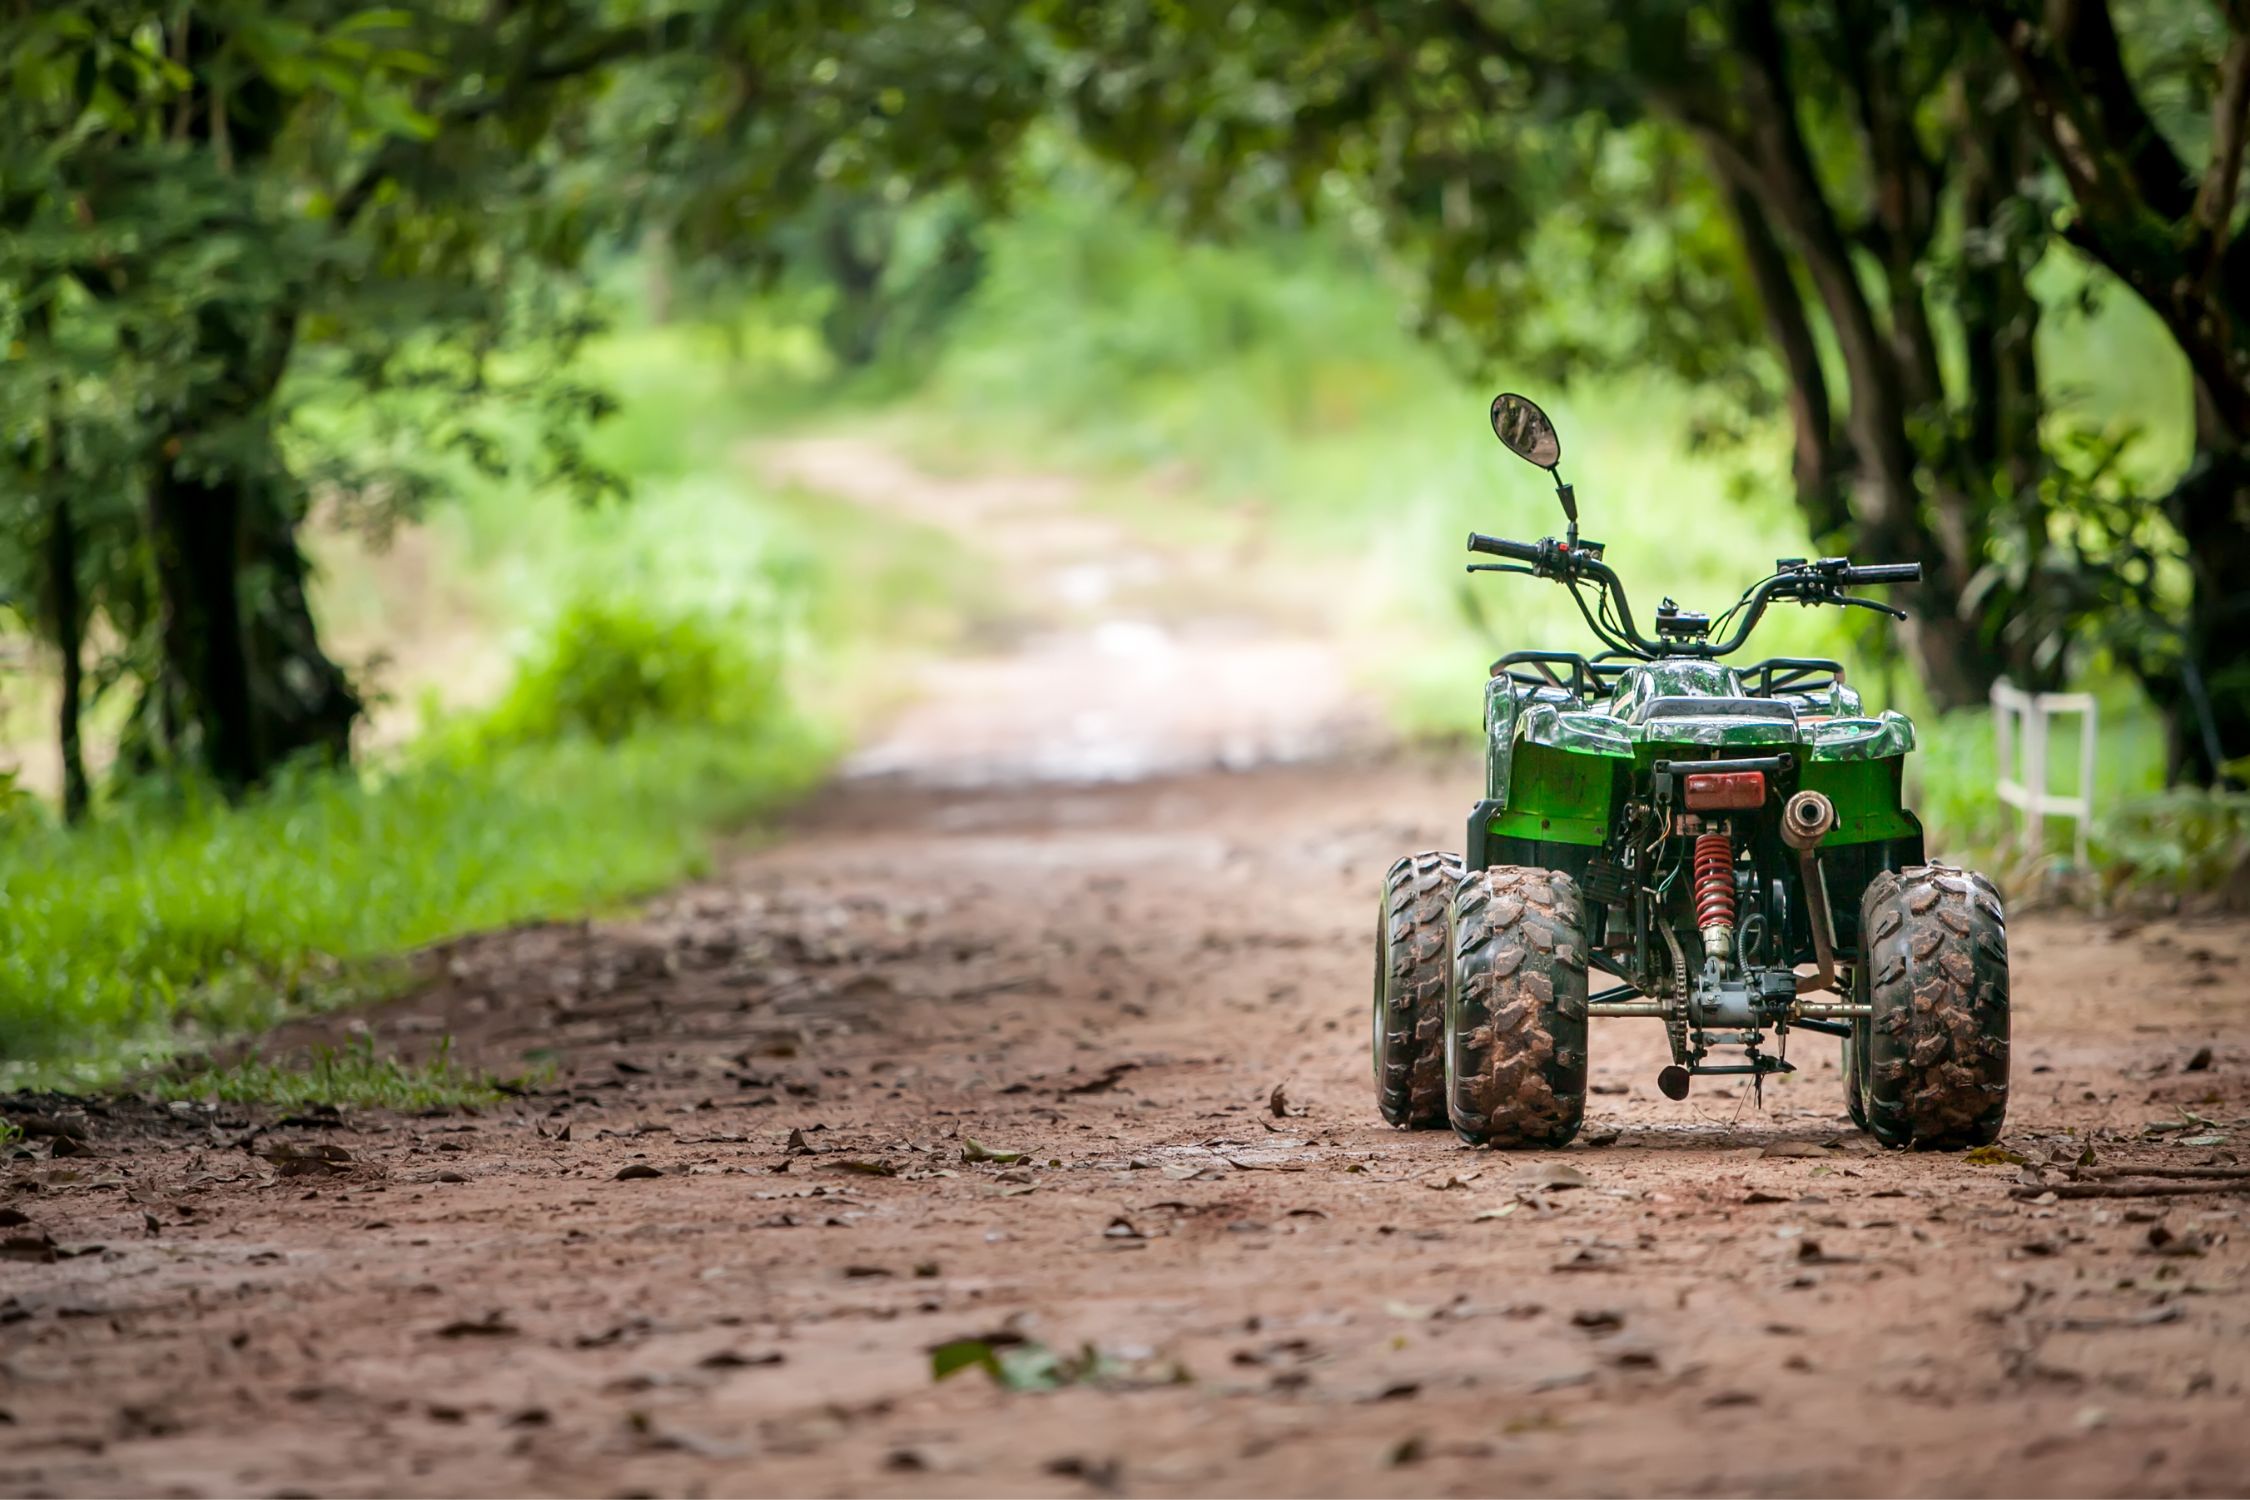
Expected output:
(1698, 833)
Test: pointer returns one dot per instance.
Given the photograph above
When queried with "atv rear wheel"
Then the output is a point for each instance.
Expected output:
(1411, 964)
(1935, 1075)
(1515, 1012)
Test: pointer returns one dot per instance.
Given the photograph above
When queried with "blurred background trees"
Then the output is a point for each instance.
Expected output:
(220, 218)
(1836, 208)
(210, 209)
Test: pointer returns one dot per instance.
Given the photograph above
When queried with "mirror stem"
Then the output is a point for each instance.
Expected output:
(1569, 498)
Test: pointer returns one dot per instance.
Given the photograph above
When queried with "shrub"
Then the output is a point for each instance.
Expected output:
(2186, 842)
(611, 667)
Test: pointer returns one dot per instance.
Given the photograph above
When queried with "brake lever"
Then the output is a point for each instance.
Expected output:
(1502, 568)
(1896, 614)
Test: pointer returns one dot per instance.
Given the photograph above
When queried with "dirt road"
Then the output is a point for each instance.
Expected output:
(717, 1256)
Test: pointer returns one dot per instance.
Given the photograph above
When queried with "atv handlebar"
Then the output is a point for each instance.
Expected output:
(1821, 581)
(1497, 546)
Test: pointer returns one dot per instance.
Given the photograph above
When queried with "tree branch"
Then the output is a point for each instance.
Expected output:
(2222, 175)
(398, 154)
(2087, 112)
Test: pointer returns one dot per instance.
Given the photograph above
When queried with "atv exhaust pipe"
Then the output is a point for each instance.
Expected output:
(1806, 819)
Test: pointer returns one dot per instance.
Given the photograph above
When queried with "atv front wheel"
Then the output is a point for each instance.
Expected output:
(1515, 1012)
(1411, 963)
(1935, 1075)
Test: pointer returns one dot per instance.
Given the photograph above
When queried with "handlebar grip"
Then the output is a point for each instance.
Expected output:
(1497, 546)
(1885, 573)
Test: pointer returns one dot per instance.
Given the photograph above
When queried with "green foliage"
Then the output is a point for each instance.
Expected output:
(352, 1077)
(2187, 842)
(176, 921)
(613, 667)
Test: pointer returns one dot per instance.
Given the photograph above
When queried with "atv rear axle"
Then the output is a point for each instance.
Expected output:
(1840, 1010)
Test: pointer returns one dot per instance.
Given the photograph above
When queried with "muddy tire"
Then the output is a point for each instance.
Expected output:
(1411, 964)
(1935, 1071)
(1515, 1013)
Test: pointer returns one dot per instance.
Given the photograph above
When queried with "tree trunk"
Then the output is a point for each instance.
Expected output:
(2141, 214)
(1767, 158)
(305, 703)
(195, 531)
(2211, 707)
(70, 630)
(1818, 466)
(240, 642)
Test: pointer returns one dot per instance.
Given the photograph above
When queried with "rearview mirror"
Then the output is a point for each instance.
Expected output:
(1518, 422)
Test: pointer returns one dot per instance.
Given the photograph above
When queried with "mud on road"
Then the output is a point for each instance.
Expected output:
(715, 1256)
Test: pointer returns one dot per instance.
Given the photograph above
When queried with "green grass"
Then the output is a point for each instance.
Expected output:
(165, 927)
(351, 1077)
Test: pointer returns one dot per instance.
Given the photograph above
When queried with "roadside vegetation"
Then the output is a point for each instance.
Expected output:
(348, 1077)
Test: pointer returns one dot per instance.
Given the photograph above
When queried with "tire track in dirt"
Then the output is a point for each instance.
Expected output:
(1111, 976)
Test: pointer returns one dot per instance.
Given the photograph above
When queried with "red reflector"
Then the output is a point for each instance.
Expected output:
(1722, 790)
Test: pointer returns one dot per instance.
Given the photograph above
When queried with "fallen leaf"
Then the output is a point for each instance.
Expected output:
(637, 1171)
(1180, 1172)
(494, 1324)
(1101, 1475)
(729, 1359)
(2162, 1241)
(865, 1167)
(1809, 1253)
(1501, 1212)
(1550, 1175)
(2200, 1062)
(1102, 1082)
(300, 1161)
(1407, 1451)
(1994, 1156)
(1794, 1149)
(973, 1149)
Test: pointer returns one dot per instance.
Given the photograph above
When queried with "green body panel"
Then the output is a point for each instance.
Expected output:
(1867, 798)
(1557, 796)
(1549, 758)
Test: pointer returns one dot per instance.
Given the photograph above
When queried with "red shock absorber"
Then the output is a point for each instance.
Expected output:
(1714, 892)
